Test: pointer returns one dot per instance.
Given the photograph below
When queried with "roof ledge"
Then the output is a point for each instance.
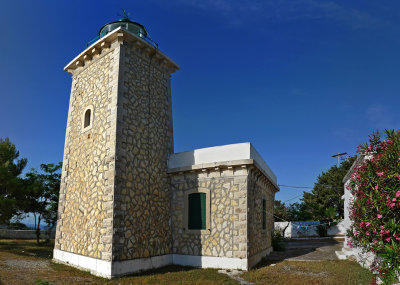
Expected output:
(121, 35)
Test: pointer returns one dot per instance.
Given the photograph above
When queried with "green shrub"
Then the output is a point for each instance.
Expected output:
(278, 241)
(375, 211)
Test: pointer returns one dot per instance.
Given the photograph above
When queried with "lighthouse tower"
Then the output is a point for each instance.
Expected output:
(114, 208)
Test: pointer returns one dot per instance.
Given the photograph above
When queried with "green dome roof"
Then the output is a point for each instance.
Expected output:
(127, 24)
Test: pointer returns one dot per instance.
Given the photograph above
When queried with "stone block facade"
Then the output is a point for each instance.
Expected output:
(143, 145)
(124, 192)
(85, 211)
(227, 235)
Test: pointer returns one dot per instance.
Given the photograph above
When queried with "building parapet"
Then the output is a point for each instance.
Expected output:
(220, 157)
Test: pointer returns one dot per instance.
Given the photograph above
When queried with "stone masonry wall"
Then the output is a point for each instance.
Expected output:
(85, 211)
(228, 232)
(144, 142)
(259, 188)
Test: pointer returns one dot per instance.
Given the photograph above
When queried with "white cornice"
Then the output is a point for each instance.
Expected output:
(121, 35)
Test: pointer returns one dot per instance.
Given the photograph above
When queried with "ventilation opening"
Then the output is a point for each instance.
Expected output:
(86, 122)
(264, 214)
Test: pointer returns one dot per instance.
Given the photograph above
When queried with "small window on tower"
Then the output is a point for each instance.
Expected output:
(87, 119)
(264, 214)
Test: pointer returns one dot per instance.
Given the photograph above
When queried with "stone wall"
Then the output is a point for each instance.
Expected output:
(85, 213)
(259, 188)
(227, 236)
(144, 142)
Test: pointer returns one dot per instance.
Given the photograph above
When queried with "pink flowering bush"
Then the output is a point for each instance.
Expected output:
(375, 213)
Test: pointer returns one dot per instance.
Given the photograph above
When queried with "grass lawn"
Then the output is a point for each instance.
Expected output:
(309, 272)
(25, 262)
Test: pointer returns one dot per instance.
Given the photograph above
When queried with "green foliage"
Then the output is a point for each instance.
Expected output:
(39, 281)
(291, 212)
(330, 213)
(375, 212)
(327, 191)
(278, 240)
(299, 212)
(17, 226)
(41, 194)
(280, 211)
(10, 182)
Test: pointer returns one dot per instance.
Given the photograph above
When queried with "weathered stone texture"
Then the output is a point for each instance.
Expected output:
(117, 200)
(259, 188)
(85, 210)
(227, 236)
(144, 141)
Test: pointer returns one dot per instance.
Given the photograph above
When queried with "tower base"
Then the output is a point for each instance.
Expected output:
(109, 269)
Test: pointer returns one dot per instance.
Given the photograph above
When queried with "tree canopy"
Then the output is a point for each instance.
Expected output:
(327, 191)
(11, 184)
(41, 194)
(37, 193)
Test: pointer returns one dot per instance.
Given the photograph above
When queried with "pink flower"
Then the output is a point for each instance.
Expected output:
(367, 224)
(398, 194)
(388, 239)
(376, 187)
(392, 205)
(367, 233)
(379, 174)
(350, 244)
(375, 241)
(379, 216)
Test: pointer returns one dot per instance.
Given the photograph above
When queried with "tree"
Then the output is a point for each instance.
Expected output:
(328, 191)
(299, 212)
(292, 212)
(280, 211)
(10, 183)
(41, 195)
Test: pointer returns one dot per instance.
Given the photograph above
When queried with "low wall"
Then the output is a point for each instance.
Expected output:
(24, 234)
(307, 229)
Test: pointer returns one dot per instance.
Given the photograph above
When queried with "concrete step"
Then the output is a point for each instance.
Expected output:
(339, 237)
(340, 254)
(347, 251)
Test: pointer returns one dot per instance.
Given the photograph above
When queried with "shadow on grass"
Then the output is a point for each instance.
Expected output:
(162, 270)
(28, 248)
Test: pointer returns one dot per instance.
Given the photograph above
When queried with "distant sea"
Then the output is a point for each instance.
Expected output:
(42, 226)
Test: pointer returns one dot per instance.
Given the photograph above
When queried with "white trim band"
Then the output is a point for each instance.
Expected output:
(95, 266)
(210, 261)
(110, 269)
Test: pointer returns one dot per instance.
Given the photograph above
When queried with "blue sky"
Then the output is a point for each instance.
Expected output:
(301, 80)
